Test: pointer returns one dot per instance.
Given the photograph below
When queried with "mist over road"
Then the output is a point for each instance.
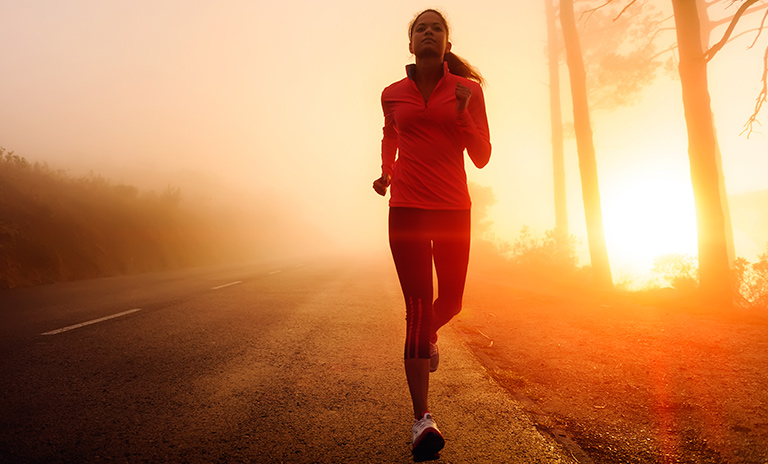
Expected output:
(279, 362)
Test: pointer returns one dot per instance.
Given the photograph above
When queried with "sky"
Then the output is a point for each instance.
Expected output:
(282, 100)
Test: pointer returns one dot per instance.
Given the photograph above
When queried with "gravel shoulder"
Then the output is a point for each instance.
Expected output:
(628, 381)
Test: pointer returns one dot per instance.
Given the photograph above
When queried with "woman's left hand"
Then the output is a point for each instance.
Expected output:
(381, 184)
(463, 94)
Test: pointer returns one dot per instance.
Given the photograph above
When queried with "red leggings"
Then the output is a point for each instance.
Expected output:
(416, 237)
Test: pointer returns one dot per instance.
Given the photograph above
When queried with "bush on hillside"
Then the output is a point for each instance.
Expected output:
(679, 271)
(57, 227)
(752, 282)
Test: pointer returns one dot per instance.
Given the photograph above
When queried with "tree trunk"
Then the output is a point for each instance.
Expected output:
(556, 123)
(706, 27)
(590, 190)
(730, 248)
(714, 271)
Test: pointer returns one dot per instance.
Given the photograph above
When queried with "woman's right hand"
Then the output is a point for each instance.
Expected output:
(381, 184)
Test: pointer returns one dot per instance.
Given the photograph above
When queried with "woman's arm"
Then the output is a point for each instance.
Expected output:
(473, 122)
(388, 150)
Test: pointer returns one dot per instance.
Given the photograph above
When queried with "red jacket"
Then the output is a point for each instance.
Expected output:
(429, 139)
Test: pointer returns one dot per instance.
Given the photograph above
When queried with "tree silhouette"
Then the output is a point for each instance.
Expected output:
(708, 25)
(693, 28)
(706, 177)
(556, 125)
(590, 189)
(619, 61)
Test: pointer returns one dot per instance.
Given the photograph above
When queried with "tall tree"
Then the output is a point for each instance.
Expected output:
(556, 125)
(619, 62)
(703, 151)
(586, 149)
(708, 25)
(714, 269)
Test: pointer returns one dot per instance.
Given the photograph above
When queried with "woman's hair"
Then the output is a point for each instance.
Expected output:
(456, 64)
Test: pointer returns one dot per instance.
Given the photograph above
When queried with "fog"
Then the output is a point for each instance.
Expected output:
(274, 107)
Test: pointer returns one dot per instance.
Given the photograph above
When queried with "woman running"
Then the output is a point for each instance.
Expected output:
(430, 117)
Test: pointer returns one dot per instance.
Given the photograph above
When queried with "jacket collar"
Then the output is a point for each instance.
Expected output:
(410, 70)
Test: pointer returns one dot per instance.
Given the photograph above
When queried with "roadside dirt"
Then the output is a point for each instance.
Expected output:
(629, 379)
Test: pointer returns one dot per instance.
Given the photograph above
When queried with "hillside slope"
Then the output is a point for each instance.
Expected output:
(55, 227)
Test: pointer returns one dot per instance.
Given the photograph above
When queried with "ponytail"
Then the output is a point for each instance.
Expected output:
(460, 67)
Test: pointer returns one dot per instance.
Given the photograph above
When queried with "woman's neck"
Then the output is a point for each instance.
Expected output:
(429, 70)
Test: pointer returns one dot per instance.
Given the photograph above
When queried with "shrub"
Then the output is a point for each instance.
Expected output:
(680, 271)
(543, 252)
(751, 280)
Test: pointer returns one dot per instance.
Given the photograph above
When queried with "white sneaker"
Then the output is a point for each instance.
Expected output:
(427, 439)
(434, 357)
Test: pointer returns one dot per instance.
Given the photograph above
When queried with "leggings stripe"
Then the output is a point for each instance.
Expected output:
(417, 332)
(414, 318)
(409, 348)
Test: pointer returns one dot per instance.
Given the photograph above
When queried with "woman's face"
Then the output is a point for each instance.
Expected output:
(429, 36)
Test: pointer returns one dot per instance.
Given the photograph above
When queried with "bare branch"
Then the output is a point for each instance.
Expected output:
(760, 30)
(591, 11)
(659, 31)
(709, 54)
(667, 18)
(624, 9)
(748, 126)
(726, 20)
(671, 48)
(749, 31)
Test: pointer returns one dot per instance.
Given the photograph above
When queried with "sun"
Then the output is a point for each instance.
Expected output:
(649, 215)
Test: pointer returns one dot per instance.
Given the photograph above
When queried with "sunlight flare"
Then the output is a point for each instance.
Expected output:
(650, 216)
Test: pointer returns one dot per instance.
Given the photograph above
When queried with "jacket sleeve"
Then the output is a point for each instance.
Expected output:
(389, 140)
(473, 123)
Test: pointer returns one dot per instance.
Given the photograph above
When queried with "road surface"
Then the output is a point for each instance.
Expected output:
(273, 363)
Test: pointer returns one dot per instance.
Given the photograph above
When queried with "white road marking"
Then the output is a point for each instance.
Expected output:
(227, 285)
(275, 272)
(95, 321)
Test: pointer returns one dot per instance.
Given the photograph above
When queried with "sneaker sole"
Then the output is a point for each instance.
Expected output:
(431, 443)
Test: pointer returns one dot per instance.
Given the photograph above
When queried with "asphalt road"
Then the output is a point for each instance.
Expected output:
(280, 362)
